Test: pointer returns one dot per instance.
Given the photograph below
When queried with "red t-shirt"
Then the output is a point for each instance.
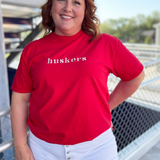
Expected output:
(68, 80)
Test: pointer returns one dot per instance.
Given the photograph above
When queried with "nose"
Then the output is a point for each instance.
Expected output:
(68, 6)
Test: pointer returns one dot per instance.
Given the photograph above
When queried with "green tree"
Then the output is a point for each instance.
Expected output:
(130, 29)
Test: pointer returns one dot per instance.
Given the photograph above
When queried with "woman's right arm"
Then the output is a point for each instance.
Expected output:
(19, 116)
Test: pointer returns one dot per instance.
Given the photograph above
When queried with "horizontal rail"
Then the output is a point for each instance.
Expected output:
(146, 58)
(142, 45)
(14, 50)
(145, 52)
(151, 63)
(8, 144)
(4, 112)
(148, 82)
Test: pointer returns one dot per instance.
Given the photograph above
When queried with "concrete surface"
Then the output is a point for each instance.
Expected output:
(153, 153)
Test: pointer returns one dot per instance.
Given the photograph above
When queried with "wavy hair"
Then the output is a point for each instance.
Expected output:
(90, 23)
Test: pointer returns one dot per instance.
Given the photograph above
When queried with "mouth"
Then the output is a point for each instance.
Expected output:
(66, 16)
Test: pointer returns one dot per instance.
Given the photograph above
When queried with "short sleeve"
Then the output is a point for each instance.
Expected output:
(125, 65)
(22, 82)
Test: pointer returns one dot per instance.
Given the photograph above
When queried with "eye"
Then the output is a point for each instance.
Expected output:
(76, 2)
(61, 1)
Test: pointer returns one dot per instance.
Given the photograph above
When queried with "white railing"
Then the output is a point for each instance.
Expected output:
(147, 47)
(14, 50)
(144, 51)
(6, 145)
(4, 112)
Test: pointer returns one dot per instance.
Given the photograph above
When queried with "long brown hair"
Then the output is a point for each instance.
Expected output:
(90, 23)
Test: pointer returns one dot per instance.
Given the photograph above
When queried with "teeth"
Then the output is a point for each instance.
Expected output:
(65, 16)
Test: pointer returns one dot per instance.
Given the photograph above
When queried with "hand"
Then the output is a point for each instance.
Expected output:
(24, 153)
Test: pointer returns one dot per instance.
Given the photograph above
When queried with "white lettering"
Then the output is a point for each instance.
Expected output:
(61, 60)
(49, 60)
(67, 60)
(84, 58)
(56, 61)
(73, 60)
(78, 59)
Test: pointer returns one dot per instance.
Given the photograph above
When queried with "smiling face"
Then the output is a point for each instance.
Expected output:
(68, 16)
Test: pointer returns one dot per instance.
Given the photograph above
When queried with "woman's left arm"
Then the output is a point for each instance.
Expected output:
(123, 90)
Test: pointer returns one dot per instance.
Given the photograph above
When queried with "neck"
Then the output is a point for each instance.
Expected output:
(66, 33)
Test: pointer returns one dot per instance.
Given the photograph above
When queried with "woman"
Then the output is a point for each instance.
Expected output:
(60, 87)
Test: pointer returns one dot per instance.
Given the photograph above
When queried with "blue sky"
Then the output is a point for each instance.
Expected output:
(114, 9)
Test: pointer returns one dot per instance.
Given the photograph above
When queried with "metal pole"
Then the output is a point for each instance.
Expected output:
(4, 89)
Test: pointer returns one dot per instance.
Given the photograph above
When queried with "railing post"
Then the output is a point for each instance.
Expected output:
(4, 89)
(157, 27)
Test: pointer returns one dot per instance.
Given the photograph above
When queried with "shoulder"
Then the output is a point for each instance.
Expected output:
(34, 46)
(108, 38)
(108, 42)
(36, 43)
